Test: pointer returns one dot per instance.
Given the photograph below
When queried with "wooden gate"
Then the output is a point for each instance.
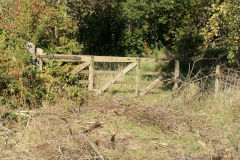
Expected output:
(88, 61)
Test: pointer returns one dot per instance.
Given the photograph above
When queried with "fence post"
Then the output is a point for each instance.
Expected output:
(138, 76)
(176, 74)
(39, 60)
(91, 72)
(32, 49)
(217, 81)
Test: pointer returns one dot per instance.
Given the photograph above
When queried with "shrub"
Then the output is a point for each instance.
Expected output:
(20, 85)
(60, 83)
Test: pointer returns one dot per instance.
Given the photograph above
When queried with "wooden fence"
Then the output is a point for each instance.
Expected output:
(88, 61)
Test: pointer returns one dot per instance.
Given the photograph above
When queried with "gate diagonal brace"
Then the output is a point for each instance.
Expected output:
(112, 81)
(80, 67)
(151, 86)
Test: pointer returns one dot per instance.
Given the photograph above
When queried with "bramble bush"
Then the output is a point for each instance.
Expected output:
(48, 24)
(20, 83)
(60, 83)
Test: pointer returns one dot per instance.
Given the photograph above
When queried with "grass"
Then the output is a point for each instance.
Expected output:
(189, 124)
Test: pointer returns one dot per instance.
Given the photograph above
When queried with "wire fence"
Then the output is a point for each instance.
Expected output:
(229, 79)
(219, 80)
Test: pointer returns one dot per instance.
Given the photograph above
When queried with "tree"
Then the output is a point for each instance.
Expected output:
(46, 23)
(99, 26)
(223, 29)
(175, 25)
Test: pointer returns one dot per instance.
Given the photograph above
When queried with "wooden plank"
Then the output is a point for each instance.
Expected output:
(116, 83)
(217, 81)
(62, 60)
(100, 72)
(59, 60)
(39, 51)
(130, 72)
(80, 67)
(87, 58)
(124, 71)
(176, 74)
(61, 56)
(151, 73)
(102, 82)
(83, 81)
(30, 47)
(121, 59)
(91, 70)
(138, 76)
(152, 85)
(155, 91)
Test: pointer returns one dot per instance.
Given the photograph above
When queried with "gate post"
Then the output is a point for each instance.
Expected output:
(30, 47)
(138, 76)
(91, 72)
(217, 81)
(39, 60)
(176, 74)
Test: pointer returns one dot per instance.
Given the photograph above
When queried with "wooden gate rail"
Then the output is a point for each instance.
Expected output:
(130, 72)
(87, 58)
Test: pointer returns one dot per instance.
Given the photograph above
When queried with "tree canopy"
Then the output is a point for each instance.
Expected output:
(185, 28)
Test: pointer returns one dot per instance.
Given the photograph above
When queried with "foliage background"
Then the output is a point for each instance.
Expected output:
(132, 27)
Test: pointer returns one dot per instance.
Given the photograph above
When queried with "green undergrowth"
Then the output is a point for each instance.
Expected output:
(20, 83)
(23, 86)
(60, 83)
